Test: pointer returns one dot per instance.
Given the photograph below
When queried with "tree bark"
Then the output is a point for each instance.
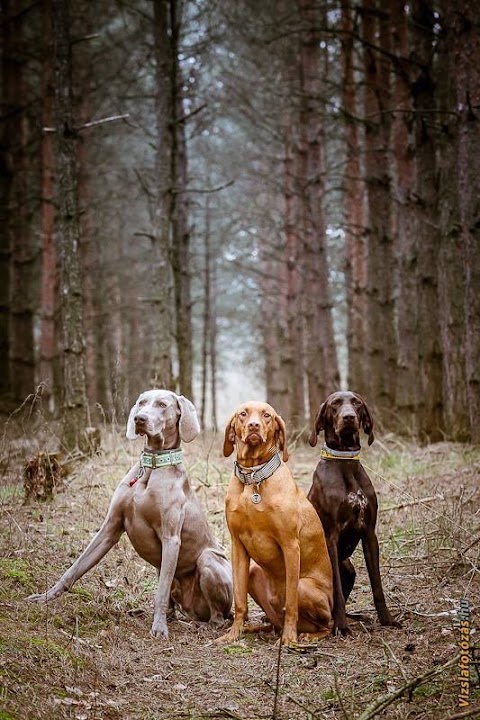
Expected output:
(294, 342)
(429, 411)
(181, 260)
(7, 111)
(407, 386)
(467, 84)
(381, 345)
(23, 270)
(49, 285)
(321, 360)
(161, 329)
(451, 274)
(353, 212)
(75, 410)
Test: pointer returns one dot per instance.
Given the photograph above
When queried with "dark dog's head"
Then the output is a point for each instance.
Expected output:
(256, 429)
(341, 416)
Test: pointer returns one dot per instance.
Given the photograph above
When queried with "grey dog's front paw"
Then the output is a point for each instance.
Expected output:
(45, 597)
(159, 629)
(37, 598)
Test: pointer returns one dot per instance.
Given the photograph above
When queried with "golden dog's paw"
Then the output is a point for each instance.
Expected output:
(233, 635)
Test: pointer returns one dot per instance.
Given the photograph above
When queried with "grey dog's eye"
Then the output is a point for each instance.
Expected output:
(161, 404)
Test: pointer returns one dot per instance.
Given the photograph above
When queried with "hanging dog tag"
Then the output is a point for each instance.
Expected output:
(256, 497)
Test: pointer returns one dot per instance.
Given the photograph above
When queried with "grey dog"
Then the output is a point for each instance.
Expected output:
(157, 508)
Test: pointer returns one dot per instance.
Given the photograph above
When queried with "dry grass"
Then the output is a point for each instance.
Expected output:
(89, 656)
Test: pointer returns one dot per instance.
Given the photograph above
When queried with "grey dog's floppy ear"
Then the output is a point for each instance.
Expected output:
(188, 425)
(131, 434)
(319, 424)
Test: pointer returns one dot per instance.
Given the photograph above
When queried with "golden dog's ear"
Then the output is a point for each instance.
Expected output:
(229, 440)
(281, 437)
(319, 424)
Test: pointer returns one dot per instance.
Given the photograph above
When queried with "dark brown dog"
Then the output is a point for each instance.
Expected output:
(345, 500)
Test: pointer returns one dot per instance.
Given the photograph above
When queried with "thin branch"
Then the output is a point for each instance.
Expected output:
(464, 714)
(179, 191)
(277, 675)
(339, 697)
(185, 118)
(91, 124)
(418, 501)
(103, 120)
(384, 701)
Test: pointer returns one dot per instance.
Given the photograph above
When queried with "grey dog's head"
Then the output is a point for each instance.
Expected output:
(158, 413)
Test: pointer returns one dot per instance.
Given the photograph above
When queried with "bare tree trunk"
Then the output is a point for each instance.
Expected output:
(207, 314)
(24, 274)
(181, 260)
(428, 332)
(451, 275)
(7, 112)
(213, 347)
(321, 361)
(75, 410)
(89, 261)
(407, 386)
(276, 352)
(467, 83)
(380, 260)
(48, 349)
(294, 375)
(161, 311)
(353, 209)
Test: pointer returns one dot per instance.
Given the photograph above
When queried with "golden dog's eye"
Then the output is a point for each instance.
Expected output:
(243, 414)
(267, 416)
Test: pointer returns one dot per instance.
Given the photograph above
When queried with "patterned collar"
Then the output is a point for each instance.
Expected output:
(161, 458)
(256, 474)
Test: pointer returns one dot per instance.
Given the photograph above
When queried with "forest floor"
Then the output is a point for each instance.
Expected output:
(89, 656)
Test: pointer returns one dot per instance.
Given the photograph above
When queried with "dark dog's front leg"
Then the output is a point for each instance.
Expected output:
(340, 625)
(372, 559)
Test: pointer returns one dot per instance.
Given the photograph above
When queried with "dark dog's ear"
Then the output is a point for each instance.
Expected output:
(319, 424)
(229, 440)
(281, 437)
(367, 422)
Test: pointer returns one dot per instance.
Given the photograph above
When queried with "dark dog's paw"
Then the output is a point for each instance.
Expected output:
(341, 630)
(390, 622)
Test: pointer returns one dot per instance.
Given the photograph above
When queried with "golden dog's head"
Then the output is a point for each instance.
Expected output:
(256, 429)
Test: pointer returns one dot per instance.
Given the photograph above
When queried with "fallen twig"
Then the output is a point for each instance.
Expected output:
(464, 714)
(417, 501)
(384, 701)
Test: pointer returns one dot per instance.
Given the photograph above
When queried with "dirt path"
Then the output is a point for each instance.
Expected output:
(89, 656)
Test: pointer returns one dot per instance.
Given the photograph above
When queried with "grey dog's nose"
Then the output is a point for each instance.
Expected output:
(140, 418)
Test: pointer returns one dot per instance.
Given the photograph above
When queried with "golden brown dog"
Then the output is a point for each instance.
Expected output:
(272, 523)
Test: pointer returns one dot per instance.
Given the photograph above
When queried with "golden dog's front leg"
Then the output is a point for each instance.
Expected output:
(291, 554)
(241, 568)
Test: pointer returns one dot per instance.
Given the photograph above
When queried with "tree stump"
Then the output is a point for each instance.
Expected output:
(41, 476)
